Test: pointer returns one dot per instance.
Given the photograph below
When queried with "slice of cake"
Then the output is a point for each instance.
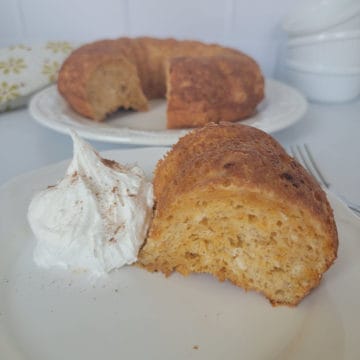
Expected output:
(230, 202)
(201, 90)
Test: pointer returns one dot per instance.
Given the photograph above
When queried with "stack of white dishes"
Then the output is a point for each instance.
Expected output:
(322, 53)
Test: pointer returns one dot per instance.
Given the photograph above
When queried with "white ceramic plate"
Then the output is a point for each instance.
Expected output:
(282, 107)
(133, 314)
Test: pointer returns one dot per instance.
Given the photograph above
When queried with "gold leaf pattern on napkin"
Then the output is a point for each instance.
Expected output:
(50, 69)
(59, 47)
(25, 69)
(20, 46)
(8, 92)
(14, 65)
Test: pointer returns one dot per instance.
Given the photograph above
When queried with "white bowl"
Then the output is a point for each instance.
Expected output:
(322, 15)
(326, 50)
(321, 86)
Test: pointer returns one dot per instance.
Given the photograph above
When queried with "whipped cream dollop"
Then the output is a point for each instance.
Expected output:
(96, 218)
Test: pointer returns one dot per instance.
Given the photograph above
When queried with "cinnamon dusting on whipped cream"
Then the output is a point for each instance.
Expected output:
(96, 218)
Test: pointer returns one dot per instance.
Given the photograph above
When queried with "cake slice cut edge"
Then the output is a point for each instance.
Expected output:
(113, 85)
(250, 238)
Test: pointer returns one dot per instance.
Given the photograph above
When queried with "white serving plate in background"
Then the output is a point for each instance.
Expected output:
(281, 108)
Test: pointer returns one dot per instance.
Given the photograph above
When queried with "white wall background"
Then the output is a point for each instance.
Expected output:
(250, 25)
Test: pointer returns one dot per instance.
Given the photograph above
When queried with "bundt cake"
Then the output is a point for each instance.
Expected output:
(229, 201)
(203, 83)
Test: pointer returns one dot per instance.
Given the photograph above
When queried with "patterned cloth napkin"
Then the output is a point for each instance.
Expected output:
(26, 69)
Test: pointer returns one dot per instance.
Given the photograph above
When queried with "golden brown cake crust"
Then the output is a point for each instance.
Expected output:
(149, 57)
(222, 165)
(226, 89)
(239, 155)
